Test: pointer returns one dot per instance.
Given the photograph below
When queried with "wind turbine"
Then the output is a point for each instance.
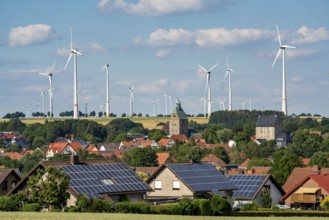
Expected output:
(158, 106)
(74, 52)
(228, 72)
(208, 86)
(153, 108)
(204, 105)
(284, 93)
(50, 76)
(27, 111)
(131, 92)
(166, 104)
(106, 67)
(249, 105)
(43, 102)
(170, 106)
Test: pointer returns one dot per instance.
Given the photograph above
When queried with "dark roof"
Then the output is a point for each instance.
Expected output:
(199, 177)
(179, 111)
(96, 179)
(250, 185)
(267, 120)
(6, 172)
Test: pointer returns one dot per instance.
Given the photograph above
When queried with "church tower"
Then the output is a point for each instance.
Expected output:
(178, 123)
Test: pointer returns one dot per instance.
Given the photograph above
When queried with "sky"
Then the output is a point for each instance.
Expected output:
(157, 46)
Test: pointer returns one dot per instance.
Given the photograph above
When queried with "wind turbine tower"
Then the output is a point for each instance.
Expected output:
(170, 106)
(131, 92)
(74, 52)
(50, 76)
(208, 89)
(166, 104)
(228, 72)
(106, 67)
(43, 102)
(158, 106)
(284, 92)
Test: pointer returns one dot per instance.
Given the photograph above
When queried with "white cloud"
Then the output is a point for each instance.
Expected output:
(298, 53)
(307, 35)
(152, 87)
(95, 48)
(207, 37)
(62, 52)
(31, 34)
(163, 53)
(161, 7)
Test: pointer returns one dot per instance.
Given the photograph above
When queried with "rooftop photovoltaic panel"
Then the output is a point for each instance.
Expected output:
(201, 177)
(92, 180)
(247, 184)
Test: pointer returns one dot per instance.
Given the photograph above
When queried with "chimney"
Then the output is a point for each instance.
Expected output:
(74, 159)
(315, 169)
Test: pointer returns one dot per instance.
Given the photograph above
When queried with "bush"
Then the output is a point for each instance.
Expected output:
(32, 207)
(201, 206)
(99, 205)
(185, 207)
(249, 207)
(166, 209)
(6, 204)
(220, 206)
(136, 207)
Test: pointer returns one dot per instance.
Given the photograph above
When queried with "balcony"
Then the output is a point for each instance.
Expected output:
(304, 198)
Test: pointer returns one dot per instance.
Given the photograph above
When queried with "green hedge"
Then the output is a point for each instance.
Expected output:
(136, 207)
(6, 204)
(32, 207)
(283, 213)
(166, 209)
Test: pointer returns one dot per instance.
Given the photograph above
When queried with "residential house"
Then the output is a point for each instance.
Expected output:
(166, 142)
(162, 157)
(300, 173)
(308, 193)
(63, 148)
(126, 146)
(215, 161)
(8, 180)
(148, 143)
(12, 155)
(173, 181)
(178, 123)
(105, 179)
(180, 138)
(250, 189)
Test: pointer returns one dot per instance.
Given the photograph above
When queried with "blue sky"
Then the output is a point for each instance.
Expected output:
(156, 46)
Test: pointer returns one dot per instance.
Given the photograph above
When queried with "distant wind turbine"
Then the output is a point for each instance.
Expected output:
(106, 67)
(153, 108)
(170, 105)
(228, 72)
(284, 93)
(74, 52)
(50, 76)
(208, 85)
(249, 105)
(158, 106)
(204, 100)
(131, 92)
(43, 102)
(166, 104)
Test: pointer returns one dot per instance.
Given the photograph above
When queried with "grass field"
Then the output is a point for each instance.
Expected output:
(147, 122)
(104, 216)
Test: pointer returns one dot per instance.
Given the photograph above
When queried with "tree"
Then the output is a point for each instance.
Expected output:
(30, 160)
(156, 134)
(221, 153)
(49, 187)
(321, 159)
(220, 206)
(258, 162)
(141, 157)
(224, 135)
(100, 114)
(325, 203)
(266, 198)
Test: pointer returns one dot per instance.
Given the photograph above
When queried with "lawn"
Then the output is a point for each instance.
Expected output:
(103, 216)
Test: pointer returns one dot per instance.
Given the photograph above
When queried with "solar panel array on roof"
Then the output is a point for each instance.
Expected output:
(247, 184)
(201, 177)
(92, 180)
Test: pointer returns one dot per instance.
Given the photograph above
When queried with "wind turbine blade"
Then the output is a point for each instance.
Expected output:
(68, 60)
(71, 37)
(277, 55)
(227, 72)
(277, 29)
(212, 67)
(51, 69)
(77, 52)
(202, 68)
(287, 46)
(228, 67)
(45, 74)
(103, 67)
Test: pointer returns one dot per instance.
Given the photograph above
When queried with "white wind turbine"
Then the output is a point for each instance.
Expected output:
(284, 93)
(166, 104)
(131, 92)
(106, 67)
(43, 102)
(74, 52)
(170, 105)
(204, 100)
(228, 72)
(50, 76)
(208, 86)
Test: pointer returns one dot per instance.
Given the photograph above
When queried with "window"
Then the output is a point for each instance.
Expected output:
(175, 185)
(158, 184)
(4, 185)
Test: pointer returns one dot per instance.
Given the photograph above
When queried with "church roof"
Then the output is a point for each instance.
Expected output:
(179, 111)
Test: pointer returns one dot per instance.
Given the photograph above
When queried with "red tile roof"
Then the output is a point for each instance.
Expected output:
(244, 165)
(213, 159)
(261, 169)
(162, 157)
(13, 155)
(306, 161)
(163, 142)
(179, 137)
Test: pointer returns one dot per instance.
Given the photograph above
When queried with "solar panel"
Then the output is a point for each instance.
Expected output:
(201, 177)
(92, 180)
(247, 184)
